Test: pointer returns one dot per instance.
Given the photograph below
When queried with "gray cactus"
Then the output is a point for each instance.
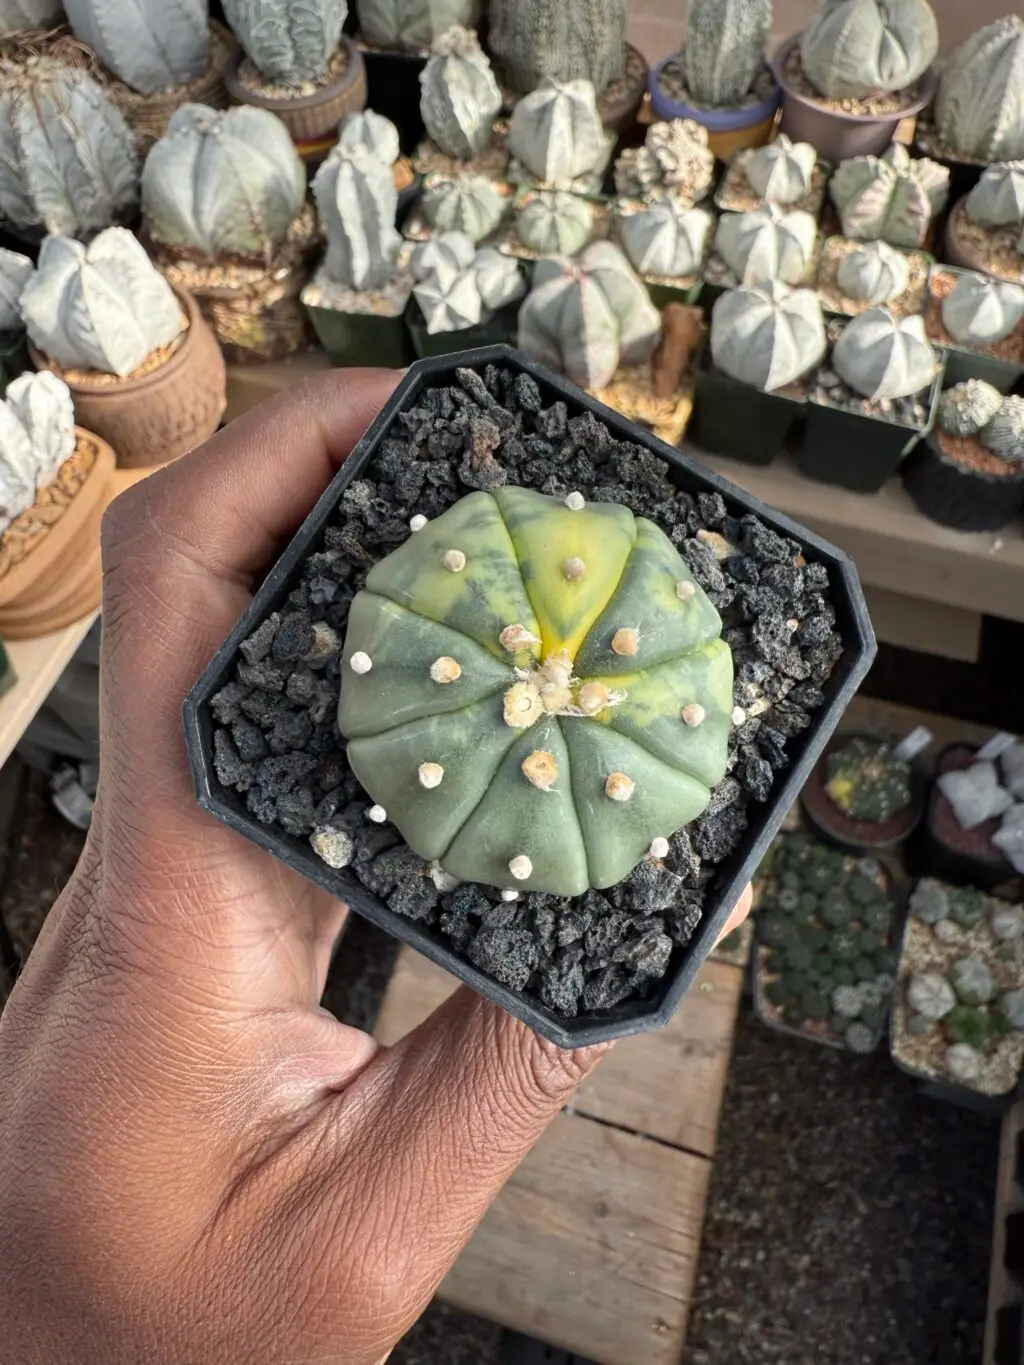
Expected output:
(972, 981)
(67, 157)
(223, 184)
(414, 25)
(28, 14)
(675, 159)
(997, 200)
(357, 202)
(723, 51)
(880, 356)
(891, 198)
(981, 311)
(782, 172)
(931, 995)
(15, 272)
(103, 307)
(291, 41)
(498, 277)
(371, 133)
(555, 224)
(1010, 1008)
(854, 48)
(452, 251)
(148, 44)
(929, 901)
(557, 134)
(666, 239)
(769, 336)
(568, 40)
(1004, 434)
(459, 97)
(979, 105)
(765, 245)
(37, 434)
(873, 273)
(965, 409)
(449, 300)
(963, 1062)
(469, 204)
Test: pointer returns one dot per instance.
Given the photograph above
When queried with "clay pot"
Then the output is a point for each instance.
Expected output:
(149, 115)
(154, 417)
(50, 555)
(729, 130)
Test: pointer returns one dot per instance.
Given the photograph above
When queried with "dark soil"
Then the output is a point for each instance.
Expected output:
(944, 826)
(828, 817)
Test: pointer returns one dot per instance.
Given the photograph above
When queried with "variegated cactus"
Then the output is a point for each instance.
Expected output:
(289, 41)
(723, 51)
(767, 245)
(414, 25)
(979, 105)
(768, 336)
(540, 696)
(666, 239)
(675, 159)
(67, 158)
(103, 307)
(371, 133)
(223, 184)
(981, 311)
(997, 200)
(881, 356)
(557, 134)
(15, 272)
(873, 273)
(967, 408)
(460, 98)
(148, 44)
(555, 224)
(1004, 434)
(469, 204)
(585, 317)
(891, 198)
(782, 172)
(357, 202)
(854, 48)
(18, 15)
(568, 40)
(37, 434)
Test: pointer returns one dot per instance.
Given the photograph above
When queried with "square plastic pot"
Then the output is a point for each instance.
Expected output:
(1003, 375)
(636, 1016)
(736, 420)
(496, 330)
(362, 338)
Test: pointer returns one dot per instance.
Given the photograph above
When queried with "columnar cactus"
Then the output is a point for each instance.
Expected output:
(666, 239)
(149, 46)
(880, 356)
(867, 782)
(675, 159)
(469, 204)
(548, 697)
(854, 48)
(555, 224)
(460, 98)
(1004, 434)
(37, 434)
(67, 158)
(371, 133)
(765, 245)
(767, 337)
(557, 134)
(981, 311)
(288, 41)
(15, 272)
(782, 171)
(413, 24)
(29, 14)
(723, 51)
(357, 202)
(997, 200)
(568, 40)
(979, 105)
(223, 184)
(967, 408)
(890, 198)
(873, 273)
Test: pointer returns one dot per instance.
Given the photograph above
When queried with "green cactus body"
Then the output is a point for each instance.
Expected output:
(666, 239)
(891, 198)
(18, 15)
(873, 274)
(557, 134)
(866, 782)
(149, 46)
(723, 51)
(555, 224)
(459, 97)
(965, 409)
(291, 41)
(37, 434)
(1004, 434)
(764, 245)
(15, 272)
(767, 337)
(880, 356)
(854, 48)
(997, 200)
(469, 204)
(979, 105)
(981, 311)
(414, 25)
(568, 40)
(547, 693)
(357, 202)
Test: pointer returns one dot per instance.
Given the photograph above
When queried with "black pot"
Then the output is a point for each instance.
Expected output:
(499, 329)
(1003, 375)
(393, 89)
(13, 357)
(734, 419)
(362, 338)
(731, 877)
(964, 499)
(937, 858)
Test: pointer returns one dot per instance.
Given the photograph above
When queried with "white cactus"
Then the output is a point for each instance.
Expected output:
(981, 311)
(873, 273)
(28, 14)
(880, 356)
(997, 200)
(557, 133)
(460, 98)
(782, 172)
(447, 251)
(357, 202)
(148, 44)
(853, 48)
(15, 272)
(371, 133)
(554, 223)
(291, 41)
(765, 245)
(769, 336)
(449, 300)
(666, 239)
(498, 278)
(979, 105)
(37, 434)
(468, 204)
(413, 24)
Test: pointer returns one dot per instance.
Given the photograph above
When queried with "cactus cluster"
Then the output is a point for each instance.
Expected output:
(457, 285)
(468, 204)
(884, 357)
(675, 159)
(287, 41)
(723, 50)
(975, 793)
(413, 25)
(37, 434)
(979, 105)
(851, 49)
(873, 273)
(997, 200)
(148, 44)
(556, 133)
(967, 408)
(553, 223)
(357, 202)
(765, 245)
(666, 239)
(867, 782)
(567, 40)
(15, 272)
(981, 311)
(782, 171)
(890, 198)
(459, 97)
(768, 336)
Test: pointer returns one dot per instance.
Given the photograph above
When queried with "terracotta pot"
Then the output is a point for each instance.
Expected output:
(50, 555)
(313, 119)
(729, 130)
(155, 417)
(149, 115)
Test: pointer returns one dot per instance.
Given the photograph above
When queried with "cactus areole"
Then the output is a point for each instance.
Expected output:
(548, 697)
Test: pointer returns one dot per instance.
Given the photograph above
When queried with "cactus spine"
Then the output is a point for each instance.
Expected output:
(37, 434)
(723, 51)
(557, 134)
(854, 48)
(997, 200)
(980, 311)
(979, 105)
(357, 202)
(873, 273)
(890, 198)
(666, 239)
(765, 245)
(291, 41)
(566, 40)
(413, 24)
(460, 98)
(880, 356)
(15, 272)
(767, 337)
(149, 46)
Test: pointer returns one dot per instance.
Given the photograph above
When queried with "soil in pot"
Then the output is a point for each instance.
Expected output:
(363, 327)
(861, 797)
(964, 856)
(740, 422)
(735, 194)
(956, 482)
(1001, 364)
(992, 251)
(914, 299)
(149, 115)
(749, 125)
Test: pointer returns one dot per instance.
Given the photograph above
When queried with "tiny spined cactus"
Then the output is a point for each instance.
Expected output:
(149, 46)
(767, 337)
(568, 40)
(15, 272)
(37, 434)
(997, 200)
(675, 159)
(765, 244)
(723, 50)
(587, 316)
(1007, 923)
(288, 41)
(414, 25)
(889, 198)
(68, 158)
(979, 105)
(223, 184)
(873, 273)
(557, 133)
(533, 663)
(867, 782)
(975, 794)
(18, 15)
(1004, 434)
(468, 204)
(972, 981)
(103, 307)
(965, 409)
(782, 172)
(459, 97)
(553, 223)
(930, 994)
(854, 48)
(448, 250)
(1010, 1009)
(963, 1062)
(357, 202)
(880, 356)
(371, 133)
(981, 311)
(666, 239)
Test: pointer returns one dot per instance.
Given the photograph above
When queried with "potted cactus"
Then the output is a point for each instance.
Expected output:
(890, 198)
(761, 246)
(855, 72)
(464, 297)
(985, 230)
(142, 365)
(459, 103)
(15, 272)
(980, 323)
(969, 474)
(553, 223)
(556, 139)
(719, 77)
(377, 135)
(854, 276)
(55, 482)
(970, 797)
(667, 245)
(675, 160)
(296, 62)
(472, 204)
(865, 794)
(788, 174)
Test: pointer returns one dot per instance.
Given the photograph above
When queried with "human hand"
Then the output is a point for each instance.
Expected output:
(198, 1165)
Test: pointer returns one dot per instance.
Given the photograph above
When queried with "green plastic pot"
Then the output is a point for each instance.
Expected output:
(352, 339)
(734, 419)
(498, 329)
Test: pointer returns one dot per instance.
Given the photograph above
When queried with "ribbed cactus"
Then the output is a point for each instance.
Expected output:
(448, 250)
(766, 245)
(997, 200)
(557, 134)
(854, 48)
(890, 198)
(967, 408)
(588, 316)
(223, 184)
(37, 434)
(15, 272)
(148, 44)
(880, 356)
(460, 98)
(767, 337)
(449, 300)
(67, 158)
(290, 41)
(981, 311)
(873, 273)
(469, 204)
(568, 40)
(357, 201)
(28, 14)
(371, 133)
(498, 277)
(548, 695)
(675, 159)
(979, 105)
(723, 51)
(666, 239)
(555, 224)
(456, 283)
(413, 24)
(1004, 434)
(782, 171)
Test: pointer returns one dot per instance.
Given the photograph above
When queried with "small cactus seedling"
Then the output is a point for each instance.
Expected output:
(414, 25)
(880, 356)
(469, 204)
(767, 337)
(150, 46)
(890, 198)
(997, 200)
(967, 408)
(555, 223)
(460, 98)
(972, 981)
(37, 434)
(867, 782)
(288, 41)
(782, 172)
(873, 273)
(765, 245)
(557, 757)
(854, 48)
(979, 105)
(675, 159)
(557, 134)
(930, 994)
(371, 133)
(15, 272)
(357, 202)
(666, 239)
(981, 311)
(567, 40)
(1004, 434)
(975, 794)
(723, 51)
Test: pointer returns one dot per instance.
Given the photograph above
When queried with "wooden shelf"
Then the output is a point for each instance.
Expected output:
(38, 664)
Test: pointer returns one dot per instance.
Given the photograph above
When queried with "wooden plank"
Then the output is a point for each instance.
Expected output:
(38, 664)
(251, 384)
(931, 627)
(592, 1246)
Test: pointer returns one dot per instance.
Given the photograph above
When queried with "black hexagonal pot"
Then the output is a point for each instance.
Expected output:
(634, 1016)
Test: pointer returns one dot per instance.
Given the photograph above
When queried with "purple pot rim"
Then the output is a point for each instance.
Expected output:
(714, 120)
(928, 81)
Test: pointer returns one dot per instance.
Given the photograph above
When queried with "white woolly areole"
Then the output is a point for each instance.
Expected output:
(360, 662)
(521, 867)
(417, 522)
(454, 561)
(430, 775)
(659, 847)
(445, 670)
(575, 502)
(508, 896)
(377, 814)
(694, 714)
